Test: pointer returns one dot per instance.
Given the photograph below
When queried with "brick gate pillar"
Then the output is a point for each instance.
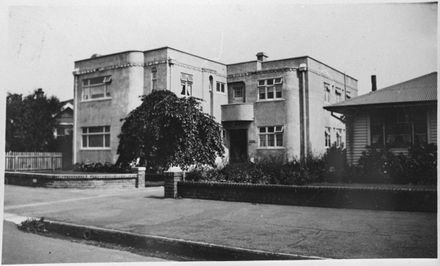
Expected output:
(140, 181)
(171, 179)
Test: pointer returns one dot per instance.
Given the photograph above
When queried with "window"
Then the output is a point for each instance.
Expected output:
(154, 78)
(186, 80)
(220, 87)
(271, 136)
(238, 92)
(347, 94)
(269, 89)
(96, 137)
(327, 136)
(96, 88)
(338, 94)
(339, 142)
(326, 92)
(398, 129)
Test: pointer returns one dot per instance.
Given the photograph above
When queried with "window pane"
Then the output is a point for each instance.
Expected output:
(261, 82)
(269, 82)
(107, 128)
(183, 92)
(223, 87)
(97, 92)
(278, 80)
(86, 93)
(84, 141)
(262, 93)
(107, 92)
(279, 93)
(84, 130)
(189, 90)
(238, 92)
(262, 140)
(95, 129)
(279, 128)
(96, 141)
(95, 81)
(218, 86)
(271, 140)
(262, 129)
(279, 139)
(107, 140)
(270, 129)
(270, 94)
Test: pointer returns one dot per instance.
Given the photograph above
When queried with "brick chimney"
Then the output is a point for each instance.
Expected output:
(261, 57)
(373, 83)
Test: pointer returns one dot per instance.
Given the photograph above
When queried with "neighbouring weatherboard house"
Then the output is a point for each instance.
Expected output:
(267, 108)
(396, 117)
(64, 119)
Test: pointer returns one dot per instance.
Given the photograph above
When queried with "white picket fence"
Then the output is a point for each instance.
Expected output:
(18, 161)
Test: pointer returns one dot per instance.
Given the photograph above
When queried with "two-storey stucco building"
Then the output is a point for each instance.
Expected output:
(267, 108)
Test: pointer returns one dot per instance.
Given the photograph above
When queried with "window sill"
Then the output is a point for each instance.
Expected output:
(271, 100)
(271, 148)
(96, 100)
(219, 92)
(96, 149)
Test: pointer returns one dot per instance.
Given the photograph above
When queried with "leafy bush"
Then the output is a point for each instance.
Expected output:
(33, 225)
(418, 167)
(101, 168)
(268, 171)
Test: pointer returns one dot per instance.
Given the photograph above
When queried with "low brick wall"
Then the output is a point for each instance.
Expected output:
(376, 198)
(72, 181)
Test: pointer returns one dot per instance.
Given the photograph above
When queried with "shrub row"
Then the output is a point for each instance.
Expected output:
(375, 165)
(268, 171)
(418, 167)
(101, 168)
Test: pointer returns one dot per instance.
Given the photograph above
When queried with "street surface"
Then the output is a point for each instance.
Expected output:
(22, 248)
(308, 231)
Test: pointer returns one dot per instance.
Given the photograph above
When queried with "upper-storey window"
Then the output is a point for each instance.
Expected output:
(327, 92)
(238, 93)
(96, 88)
(270, 89)
(186, 81)
(347, 94)
(220, 87)
(154, 78)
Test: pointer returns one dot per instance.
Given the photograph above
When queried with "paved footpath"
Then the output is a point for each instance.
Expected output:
(308, 231)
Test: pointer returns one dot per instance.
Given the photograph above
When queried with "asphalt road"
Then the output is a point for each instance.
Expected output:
(22, 248)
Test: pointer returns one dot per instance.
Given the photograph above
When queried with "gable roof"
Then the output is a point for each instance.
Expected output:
(417, 90)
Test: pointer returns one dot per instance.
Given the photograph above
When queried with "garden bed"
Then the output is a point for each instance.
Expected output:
(355, 196)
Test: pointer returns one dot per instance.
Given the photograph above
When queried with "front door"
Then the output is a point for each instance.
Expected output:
(238, 145)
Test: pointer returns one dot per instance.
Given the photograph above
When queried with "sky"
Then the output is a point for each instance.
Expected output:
(395, 42)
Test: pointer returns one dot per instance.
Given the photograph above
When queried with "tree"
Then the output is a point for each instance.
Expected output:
(169, 131)
(30, 122)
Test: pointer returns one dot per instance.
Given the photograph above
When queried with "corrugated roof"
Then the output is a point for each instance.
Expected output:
(420, 89)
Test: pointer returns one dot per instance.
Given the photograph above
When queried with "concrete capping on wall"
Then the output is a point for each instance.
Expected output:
(92, 180)
(372, 197)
